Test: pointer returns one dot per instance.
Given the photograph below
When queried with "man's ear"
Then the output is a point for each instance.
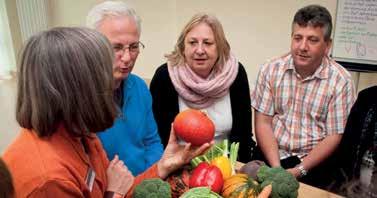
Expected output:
(328, 47)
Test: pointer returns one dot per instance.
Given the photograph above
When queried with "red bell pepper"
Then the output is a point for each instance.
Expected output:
(207, 175)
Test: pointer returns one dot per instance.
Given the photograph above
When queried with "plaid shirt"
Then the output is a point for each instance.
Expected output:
(304, 111)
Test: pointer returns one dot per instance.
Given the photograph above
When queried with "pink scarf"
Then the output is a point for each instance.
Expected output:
(199, 93)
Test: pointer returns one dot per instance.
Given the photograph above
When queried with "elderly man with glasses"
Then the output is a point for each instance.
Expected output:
(134, 136)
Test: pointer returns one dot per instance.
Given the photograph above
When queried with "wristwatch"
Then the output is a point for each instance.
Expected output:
(303, 171)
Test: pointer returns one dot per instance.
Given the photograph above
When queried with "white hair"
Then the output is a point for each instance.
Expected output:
(110, 8)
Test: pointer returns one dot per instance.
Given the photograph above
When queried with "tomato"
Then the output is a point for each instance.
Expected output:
(207, 175)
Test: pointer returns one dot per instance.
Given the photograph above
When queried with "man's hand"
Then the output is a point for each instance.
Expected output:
(295, 172)
(319, 154)
(321, 151)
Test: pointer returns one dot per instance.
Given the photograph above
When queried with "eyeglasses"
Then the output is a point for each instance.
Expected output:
(133, 48)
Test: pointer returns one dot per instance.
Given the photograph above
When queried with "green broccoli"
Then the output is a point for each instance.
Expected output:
(152, 188)
(284, 184)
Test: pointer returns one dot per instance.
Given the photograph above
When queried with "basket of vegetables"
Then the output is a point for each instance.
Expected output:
(214, 175)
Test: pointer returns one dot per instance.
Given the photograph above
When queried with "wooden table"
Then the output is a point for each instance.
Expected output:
(307, 191)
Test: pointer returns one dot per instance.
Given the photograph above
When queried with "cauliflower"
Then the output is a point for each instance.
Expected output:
(152, 188)
(284, 184)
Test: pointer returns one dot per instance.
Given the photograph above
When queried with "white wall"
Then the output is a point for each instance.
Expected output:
(9, 128)
(244, 23)
(256, 30)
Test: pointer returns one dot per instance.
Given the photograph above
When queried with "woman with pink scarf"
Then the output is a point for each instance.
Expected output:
(202, 73)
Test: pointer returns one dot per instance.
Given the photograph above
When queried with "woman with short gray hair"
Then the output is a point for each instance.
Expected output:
(65, 96)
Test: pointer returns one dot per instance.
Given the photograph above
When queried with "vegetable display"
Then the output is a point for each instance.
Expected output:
(194, 126)
(207, 175)
(223, 163)
(251, 168)
(200, 192)
(152, 188)
(179, 181)
(213, 175)
(239, 186)
(266, 191)
(284, 184)
(220, 156)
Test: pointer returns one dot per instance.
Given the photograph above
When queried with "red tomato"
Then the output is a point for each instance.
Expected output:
(207, 175)
(194, 126)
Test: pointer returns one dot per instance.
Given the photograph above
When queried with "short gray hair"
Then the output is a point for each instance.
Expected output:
(65, 77)
(111, 8)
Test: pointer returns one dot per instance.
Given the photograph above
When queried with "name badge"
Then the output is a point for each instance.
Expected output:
(90, 176)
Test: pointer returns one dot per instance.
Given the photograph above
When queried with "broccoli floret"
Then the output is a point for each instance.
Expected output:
(284, 184)
(152, 188)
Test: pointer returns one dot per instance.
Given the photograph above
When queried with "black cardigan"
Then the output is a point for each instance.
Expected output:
(360, 134)
(165, 108)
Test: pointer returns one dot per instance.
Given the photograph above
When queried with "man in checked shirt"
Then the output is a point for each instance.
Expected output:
(302, 100)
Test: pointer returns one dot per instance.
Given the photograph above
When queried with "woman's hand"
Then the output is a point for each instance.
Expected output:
(120, 179)
(176, 155)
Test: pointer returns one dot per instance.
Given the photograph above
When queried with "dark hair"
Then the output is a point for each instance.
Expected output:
(315, 16)
(65, 77)
(6, 185)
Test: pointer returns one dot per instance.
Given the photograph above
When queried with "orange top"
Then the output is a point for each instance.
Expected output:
(57, 166)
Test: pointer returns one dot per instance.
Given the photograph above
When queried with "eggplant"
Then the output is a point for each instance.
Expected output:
(251, 168)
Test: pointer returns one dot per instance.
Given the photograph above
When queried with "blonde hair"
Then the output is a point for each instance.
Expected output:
(223, 48)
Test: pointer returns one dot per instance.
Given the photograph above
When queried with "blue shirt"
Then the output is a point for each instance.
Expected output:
(134, 136)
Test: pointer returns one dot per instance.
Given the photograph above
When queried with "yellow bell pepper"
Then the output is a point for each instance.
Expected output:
(223, 163)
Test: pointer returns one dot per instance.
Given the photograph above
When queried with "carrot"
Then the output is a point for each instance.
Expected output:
(265, 192)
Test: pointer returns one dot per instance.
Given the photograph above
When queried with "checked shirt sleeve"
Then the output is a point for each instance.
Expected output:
(261, 96)
(339, 108)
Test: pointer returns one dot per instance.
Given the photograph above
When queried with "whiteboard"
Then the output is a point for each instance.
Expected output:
(355, 35)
